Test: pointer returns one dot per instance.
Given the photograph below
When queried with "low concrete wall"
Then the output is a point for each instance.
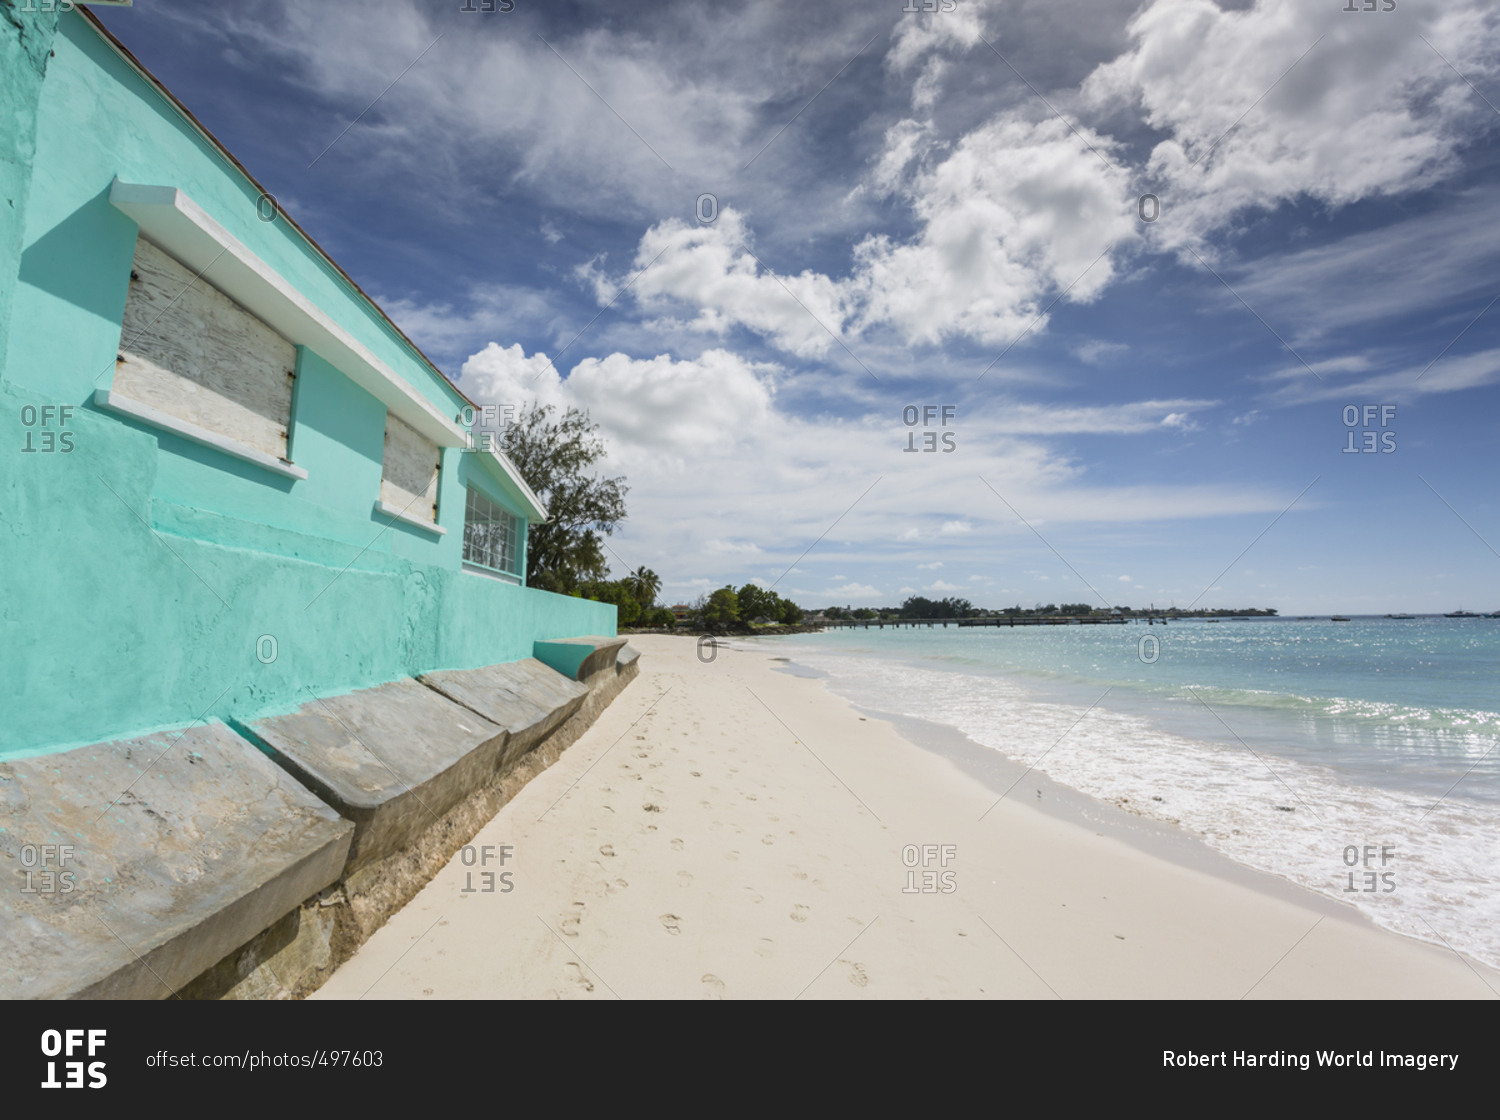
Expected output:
(133, 866)
(191, 863)
(297, 955)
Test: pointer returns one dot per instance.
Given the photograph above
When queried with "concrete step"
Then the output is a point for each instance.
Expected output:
(525, 697)
(627, 657)
(392, 759)
(578, 658)
(149, 859)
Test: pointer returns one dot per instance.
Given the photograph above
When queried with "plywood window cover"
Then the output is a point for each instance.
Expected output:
(188, 350)
(173, 221)
(409, 473)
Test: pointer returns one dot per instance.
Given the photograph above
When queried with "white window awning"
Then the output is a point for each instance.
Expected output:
(177, 224)
(510, 478)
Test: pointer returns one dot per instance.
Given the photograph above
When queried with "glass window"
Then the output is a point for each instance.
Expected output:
(491, 535)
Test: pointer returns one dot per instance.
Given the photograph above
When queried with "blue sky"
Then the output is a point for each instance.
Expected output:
(933, 208)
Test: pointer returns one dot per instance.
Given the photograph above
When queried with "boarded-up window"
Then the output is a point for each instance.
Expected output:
(409, 477)
(190, 351)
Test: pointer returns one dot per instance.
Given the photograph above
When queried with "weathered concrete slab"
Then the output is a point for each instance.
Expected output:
(392, 759)
(525, 697)
(627, 657)
(578, 658)
(148, 860)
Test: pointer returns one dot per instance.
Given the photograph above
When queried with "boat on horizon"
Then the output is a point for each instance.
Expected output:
(1400, 616)
(1461, 614)
(1338, 618)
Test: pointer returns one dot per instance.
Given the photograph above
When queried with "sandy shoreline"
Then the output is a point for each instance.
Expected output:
(728, 830)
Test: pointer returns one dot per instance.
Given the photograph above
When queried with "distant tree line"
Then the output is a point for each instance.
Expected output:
(750, 606)
(634, 598)
(917, 607)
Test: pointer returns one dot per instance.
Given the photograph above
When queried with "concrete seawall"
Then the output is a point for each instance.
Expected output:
(249, 861)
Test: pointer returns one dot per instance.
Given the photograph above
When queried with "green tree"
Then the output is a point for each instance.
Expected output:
(756, 601)
(555, 457)
(646, 584)
(722, 609)
(620, 592)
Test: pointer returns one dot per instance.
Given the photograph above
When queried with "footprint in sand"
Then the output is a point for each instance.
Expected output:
(799, 874)
(677, 845)
(684, 878)
(768, 839)
(713, 987)
(799, 913)
(569, 925)
(650, 808)
(857, 975)
(765, 947)
(695, 773)
(606, 849)
(670, 922)
(732, 856)
(576, 974)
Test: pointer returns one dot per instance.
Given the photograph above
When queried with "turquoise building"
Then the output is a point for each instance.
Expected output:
(229, 484)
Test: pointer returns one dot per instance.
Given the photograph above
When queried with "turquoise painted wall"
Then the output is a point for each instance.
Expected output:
(25, 40)
(147, 582)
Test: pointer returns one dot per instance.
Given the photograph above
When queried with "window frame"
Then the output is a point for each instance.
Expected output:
(472, 494)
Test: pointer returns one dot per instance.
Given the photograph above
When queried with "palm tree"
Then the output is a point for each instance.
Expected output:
(646, 584)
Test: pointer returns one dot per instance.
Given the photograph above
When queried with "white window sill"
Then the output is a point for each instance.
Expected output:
(124, 406)
(409, 519)
(475, 570)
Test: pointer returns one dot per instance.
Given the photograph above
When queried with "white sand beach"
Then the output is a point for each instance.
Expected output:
(727, 830)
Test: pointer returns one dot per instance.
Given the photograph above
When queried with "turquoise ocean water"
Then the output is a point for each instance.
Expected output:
(1357, 758)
